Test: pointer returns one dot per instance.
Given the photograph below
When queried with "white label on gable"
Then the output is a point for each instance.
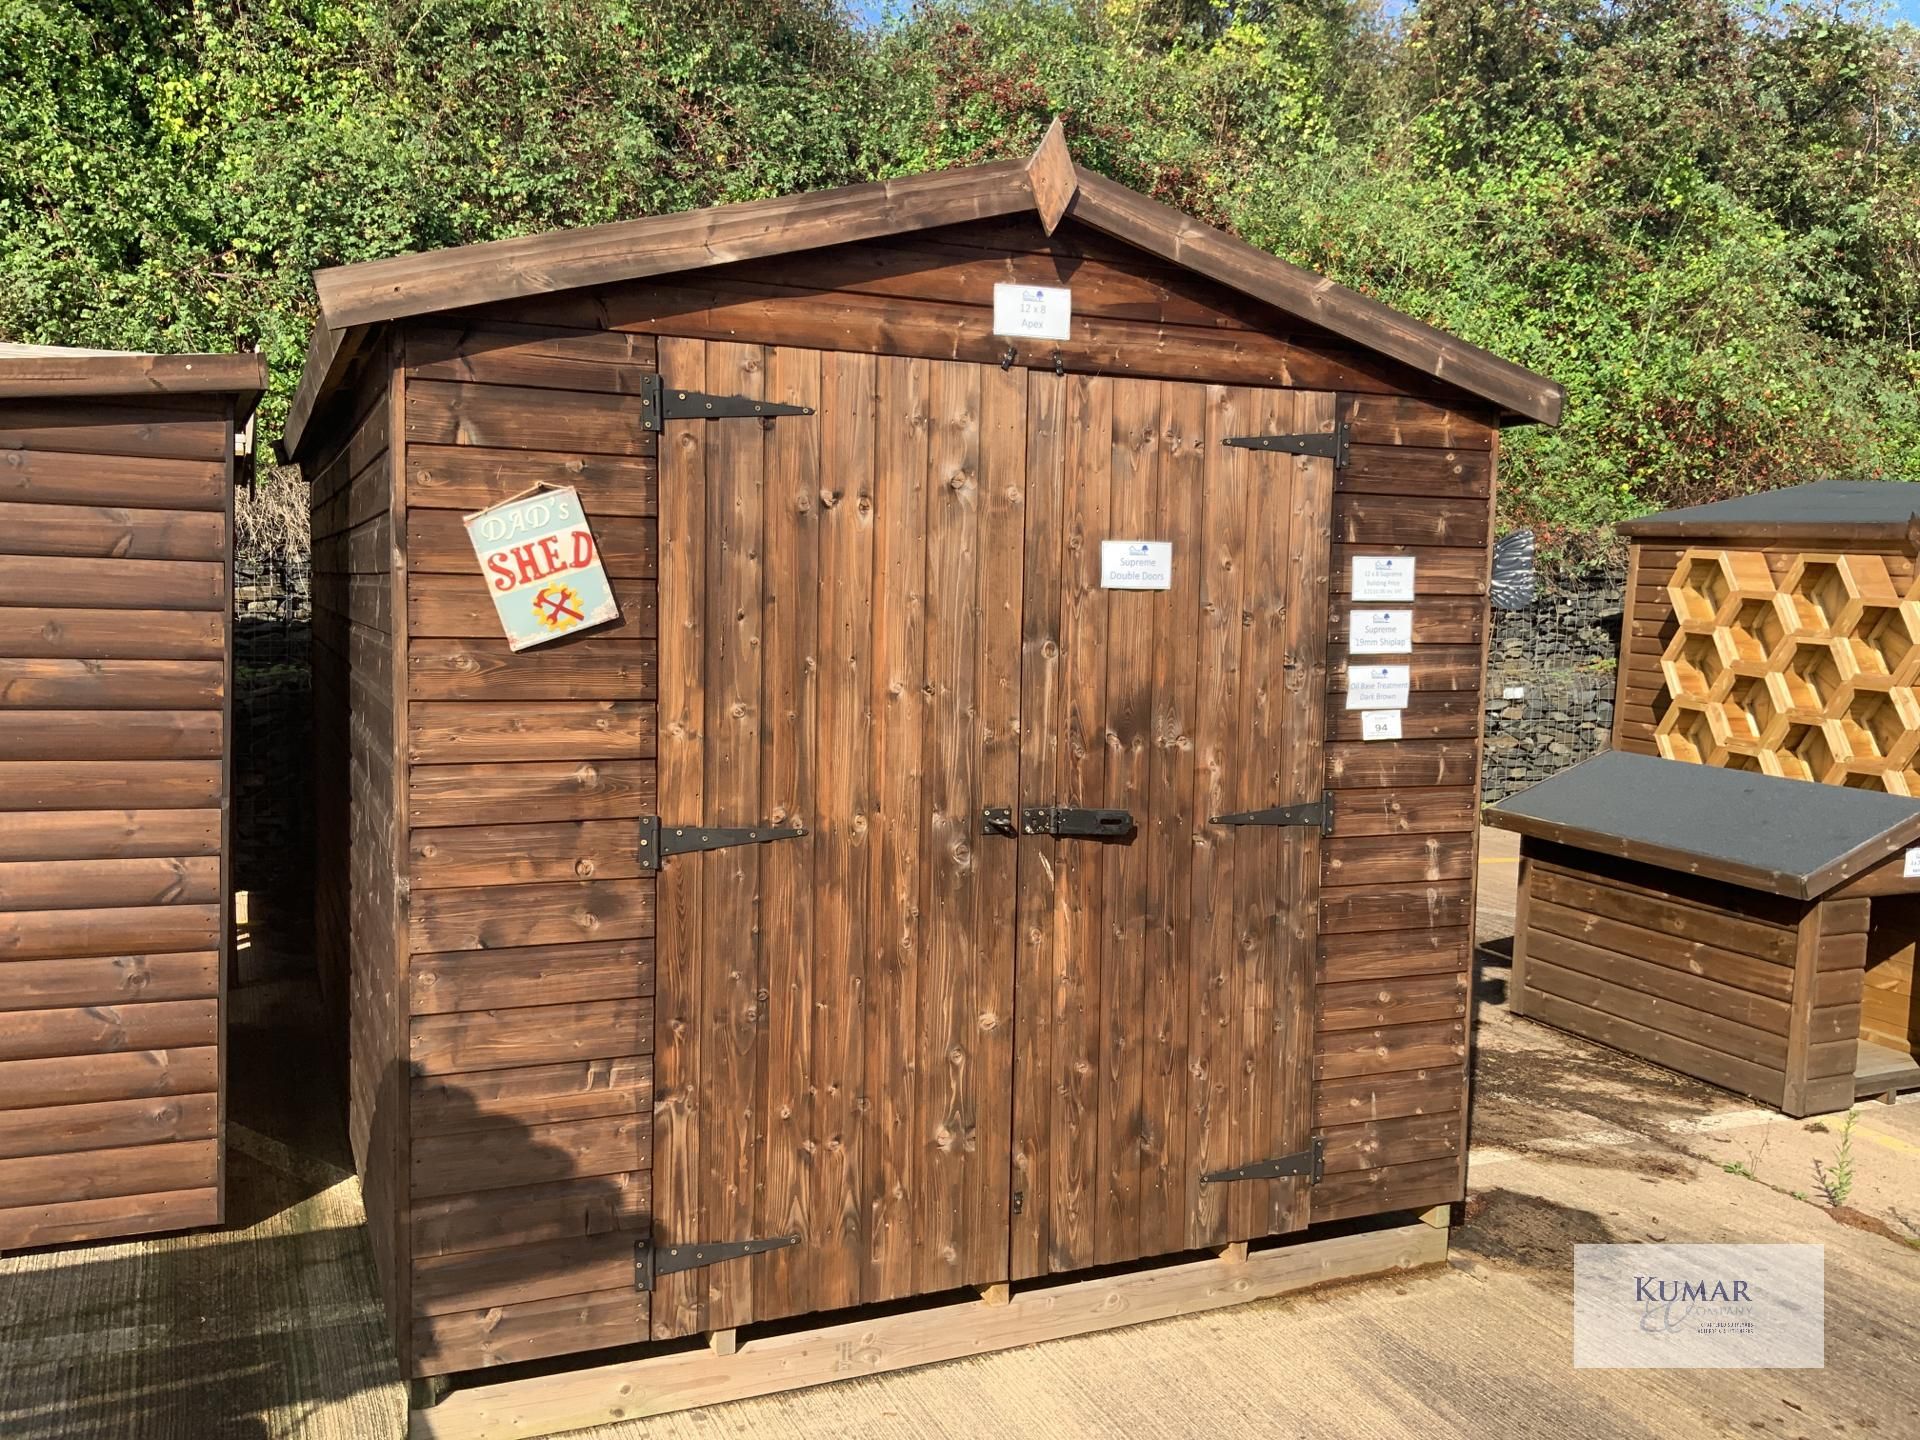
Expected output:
(1033, 312)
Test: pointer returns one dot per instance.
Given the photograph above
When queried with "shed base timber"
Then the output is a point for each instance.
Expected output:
(695, 1375)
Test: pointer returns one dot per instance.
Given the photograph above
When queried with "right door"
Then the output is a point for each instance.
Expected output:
(1164, 981)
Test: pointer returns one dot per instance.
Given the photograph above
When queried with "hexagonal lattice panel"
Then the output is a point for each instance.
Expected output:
(1876, 719)
(1685, 733)
(1809, 681)
(1821, 595)
(1817, 678)
(1752, 634)
(1706, 583)
(1692, 665)
(1747, 714)
(1882, 641)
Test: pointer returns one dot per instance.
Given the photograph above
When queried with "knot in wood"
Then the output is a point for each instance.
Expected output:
(583, 868)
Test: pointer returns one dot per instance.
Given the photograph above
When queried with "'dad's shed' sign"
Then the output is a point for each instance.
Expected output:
(542, 567)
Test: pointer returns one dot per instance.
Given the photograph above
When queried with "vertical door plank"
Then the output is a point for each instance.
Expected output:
(733, 1047)
(946, 1114)
(1213, 993)
(788, 751)
(1124, 729)
(1166, 1199)
(1042, 683)
(844, 781)
(999, 600)
(1262, 766)
(1303, 721)
(679, 898)
(898, 705)
(1078, 1062)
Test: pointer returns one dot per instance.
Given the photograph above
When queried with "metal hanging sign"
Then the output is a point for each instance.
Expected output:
(541, 566)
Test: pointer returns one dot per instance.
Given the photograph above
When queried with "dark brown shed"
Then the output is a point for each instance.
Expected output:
(116, 531)
(967, 1028)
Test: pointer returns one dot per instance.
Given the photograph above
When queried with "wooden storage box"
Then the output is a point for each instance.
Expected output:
(859, 566)
(116, 532)
(1725, 924)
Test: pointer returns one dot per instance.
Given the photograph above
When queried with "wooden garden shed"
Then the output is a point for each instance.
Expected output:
(878, 907)
(1780, 632)
(1720, 922)
(116, 535)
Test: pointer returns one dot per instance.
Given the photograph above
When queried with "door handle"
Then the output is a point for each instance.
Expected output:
(1065, 820)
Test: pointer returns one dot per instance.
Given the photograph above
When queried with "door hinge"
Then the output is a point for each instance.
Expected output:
(658, 841)
(659, 404)
(1319, 813)
(1310, 1162)
(1329, 446)
(651, 1261)
(1057, 820)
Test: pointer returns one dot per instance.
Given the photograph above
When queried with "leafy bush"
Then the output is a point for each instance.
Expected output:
(1702, 218)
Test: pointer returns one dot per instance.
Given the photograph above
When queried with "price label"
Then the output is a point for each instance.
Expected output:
(1377, 687)
(1910, 864)
(1382, 577)
(1379, 724)
(1379, 632)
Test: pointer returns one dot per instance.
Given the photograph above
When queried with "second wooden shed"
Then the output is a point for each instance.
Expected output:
(116, 534)
(1020, 923)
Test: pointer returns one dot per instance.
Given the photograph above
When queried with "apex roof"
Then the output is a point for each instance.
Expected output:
(354, 298)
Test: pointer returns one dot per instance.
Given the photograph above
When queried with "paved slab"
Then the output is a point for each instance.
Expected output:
(272, 1329)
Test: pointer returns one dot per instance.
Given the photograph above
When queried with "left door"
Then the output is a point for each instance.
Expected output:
(840, 618)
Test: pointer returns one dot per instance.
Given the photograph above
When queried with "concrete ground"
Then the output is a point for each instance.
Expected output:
(271, 1329)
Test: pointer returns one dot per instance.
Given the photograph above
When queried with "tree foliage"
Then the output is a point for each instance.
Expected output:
(1702, 217)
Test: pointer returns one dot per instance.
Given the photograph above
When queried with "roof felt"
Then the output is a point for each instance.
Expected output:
(1824, 503)
(1786, 837)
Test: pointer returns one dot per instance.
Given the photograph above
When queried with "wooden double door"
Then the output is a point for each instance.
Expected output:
(941, 1054)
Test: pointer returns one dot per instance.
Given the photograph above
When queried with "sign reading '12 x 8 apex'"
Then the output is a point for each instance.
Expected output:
(542, 567)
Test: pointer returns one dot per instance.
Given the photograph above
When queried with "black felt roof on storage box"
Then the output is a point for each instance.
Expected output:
(1786, 837)
(1830, 509)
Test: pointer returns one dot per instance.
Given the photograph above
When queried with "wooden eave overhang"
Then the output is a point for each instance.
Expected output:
(33, 372)
(354, 298)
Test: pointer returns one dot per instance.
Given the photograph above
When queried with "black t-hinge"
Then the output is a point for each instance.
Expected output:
(651, 1261)
(659, 404)
(1319, 813)
(1310, 1162)
(1328, 446)
(658, 841)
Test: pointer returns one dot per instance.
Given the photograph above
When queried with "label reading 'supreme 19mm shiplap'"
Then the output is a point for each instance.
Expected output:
(1379, 632)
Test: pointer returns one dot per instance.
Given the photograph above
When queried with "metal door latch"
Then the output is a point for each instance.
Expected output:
(651, 1261)
(1064, 820)
(659, 404)
(1319, 813)
(658, 841)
